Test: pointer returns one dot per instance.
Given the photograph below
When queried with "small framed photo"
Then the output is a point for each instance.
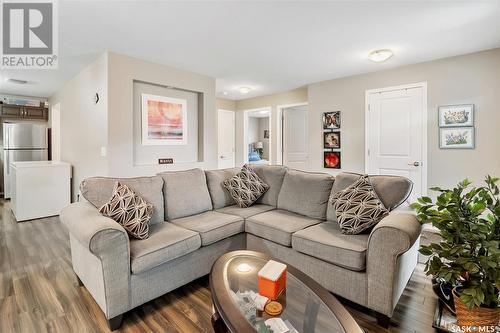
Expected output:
(331, 159)
(456, 115)
(266, 134)
(331, 120)
(331, 140)
(456, 138)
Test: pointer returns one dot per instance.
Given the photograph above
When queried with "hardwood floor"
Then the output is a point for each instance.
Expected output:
(39, 291)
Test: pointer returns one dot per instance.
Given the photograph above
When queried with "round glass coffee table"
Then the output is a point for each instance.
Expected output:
(307, 306)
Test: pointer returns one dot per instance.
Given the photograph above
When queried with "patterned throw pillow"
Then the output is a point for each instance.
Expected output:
(129, 210)
(245, 187)
(358, 207)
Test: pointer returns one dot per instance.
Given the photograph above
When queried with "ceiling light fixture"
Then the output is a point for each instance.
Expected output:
(225, 93)
(244, 90)
(380, 55)
(16, 81)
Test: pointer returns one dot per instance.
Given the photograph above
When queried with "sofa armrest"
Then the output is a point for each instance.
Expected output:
(391, 258)
(100, 252)
(89, 227)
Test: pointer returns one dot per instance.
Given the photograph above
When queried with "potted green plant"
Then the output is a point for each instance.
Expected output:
(468, 220)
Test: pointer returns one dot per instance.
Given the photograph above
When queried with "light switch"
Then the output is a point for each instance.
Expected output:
(103, 151)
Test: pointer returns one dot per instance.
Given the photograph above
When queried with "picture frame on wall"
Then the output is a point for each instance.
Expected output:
(456, 138)
(164, 120)
(456, 115)
(331, 120)
(331, 140)
(331, 159)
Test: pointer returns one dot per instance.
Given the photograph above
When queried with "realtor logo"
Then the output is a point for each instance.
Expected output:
(29, 34)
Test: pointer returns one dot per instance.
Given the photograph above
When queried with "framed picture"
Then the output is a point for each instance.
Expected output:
(331, 140)
(164, 120)
(331, 120)
(266, 134)
(456, 138)
(456, 115)
(331, 159)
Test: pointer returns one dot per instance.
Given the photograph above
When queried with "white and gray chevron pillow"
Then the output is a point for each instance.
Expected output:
(245, 187)
(358, 208)
(129, 210)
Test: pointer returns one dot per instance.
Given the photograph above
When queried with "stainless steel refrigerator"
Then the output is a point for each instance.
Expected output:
(22, 142)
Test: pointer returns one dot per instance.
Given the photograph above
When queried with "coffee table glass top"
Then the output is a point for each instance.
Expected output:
(302, 307)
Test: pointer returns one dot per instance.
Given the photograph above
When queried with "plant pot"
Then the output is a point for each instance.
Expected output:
(477, 316)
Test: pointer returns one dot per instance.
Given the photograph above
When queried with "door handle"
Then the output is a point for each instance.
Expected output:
(415, 164)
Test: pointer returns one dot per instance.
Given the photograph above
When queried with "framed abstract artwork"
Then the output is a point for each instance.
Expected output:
(164, 120)
(331, 140)
(331, 159)
(456, 138)
(331, 120)
(456, 115)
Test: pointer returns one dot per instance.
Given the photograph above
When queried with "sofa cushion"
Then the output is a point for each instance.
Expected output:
(166, 242)
(278, 225)
(129, 210)
(185, 193)
(273, 176)
(358, 207)
(325, 241)
(245, 212)
(98, 191)
(212, 226)
(245, 187)
(306, 193)
(219, 195)
(391, 190)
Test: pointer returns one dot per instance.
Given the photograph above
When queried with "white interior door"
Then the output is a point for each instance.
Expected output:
(226, 139)
(395, 139)
(295, 138)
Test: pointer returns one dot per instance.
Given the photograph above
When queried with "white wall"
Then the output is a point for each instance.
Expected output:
(253, 130)
(84, 125)
(264, 125)
(473, 78)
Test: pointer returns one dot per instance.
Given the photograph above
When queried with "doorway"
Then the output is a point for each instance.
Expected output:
(295, 137)
(257, 136)
(396, 134)
(226, 139)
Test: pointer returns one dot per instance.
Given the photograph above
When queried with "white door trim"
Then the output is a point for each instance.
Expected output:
(279, 134)
(423, 164)
(218, 134)
(245, 131)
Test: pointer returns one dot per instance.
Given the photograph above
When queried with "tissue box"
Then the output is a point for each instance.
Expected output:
(272, 279)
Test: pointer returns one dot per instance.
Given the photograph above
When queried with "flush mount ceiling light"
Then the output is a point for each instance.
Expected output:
(244, 90)
(380, 55)
(15, 81)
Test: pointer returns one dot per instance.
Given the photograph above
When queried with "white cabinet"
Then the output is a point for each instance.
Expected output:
(39, 189)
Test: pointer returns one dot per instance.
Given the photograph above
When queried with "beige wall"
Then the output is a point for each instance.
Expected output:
(84, 124)
(271, 101)
(225, 104)
(122, 71)
(473, 78)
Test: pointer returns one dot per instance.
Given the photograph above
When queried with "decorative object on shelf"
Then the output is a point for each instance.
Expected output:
(331, 159)
(456, 138)
(456, 115)
(95, 98)
(468, 257)
(266, 134)
(259, 148)
(272, 279)
(331, 140)
(164, 120)
(331, 120)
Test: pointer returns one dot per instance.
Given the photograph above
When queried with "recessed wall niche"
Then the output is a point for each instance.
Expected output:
(191, 152)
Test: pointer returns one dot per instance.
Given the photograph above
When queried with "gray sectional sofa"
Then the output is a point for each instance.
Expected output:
(195, 221)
